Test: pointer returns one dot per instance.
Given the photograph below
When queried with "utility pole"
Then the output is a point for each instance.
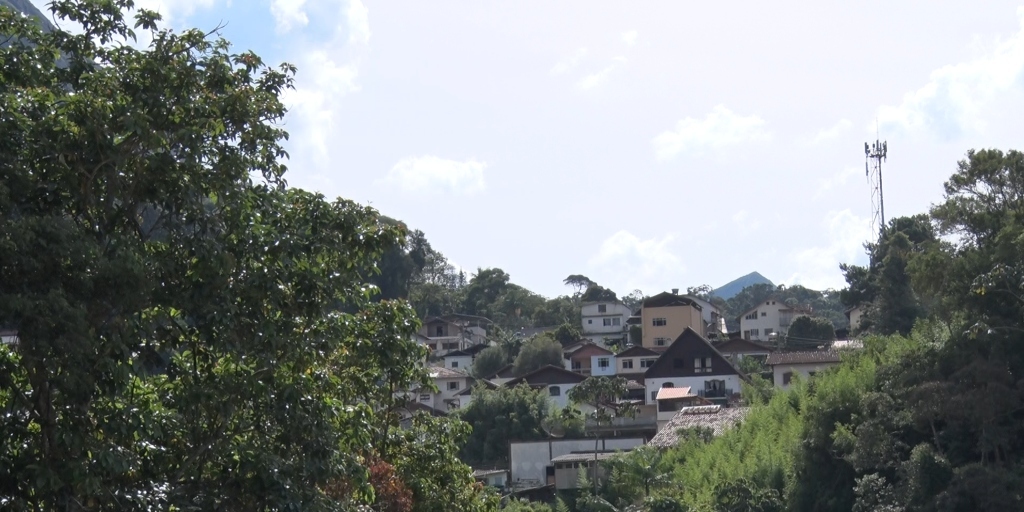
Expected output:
(876, 152)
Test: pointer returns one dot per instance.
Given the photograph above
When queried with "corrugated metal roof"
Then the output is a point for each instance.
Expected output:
(670, 393)
(583, 457)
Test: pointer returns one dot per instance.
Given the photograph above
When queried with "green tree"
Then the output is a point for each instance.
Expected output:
(192, 334)
(604, 395)
(635, 474)
(598, 293)
(537, 352)
(498, 416)
(567, 334)
(810, 332)
(489, 361)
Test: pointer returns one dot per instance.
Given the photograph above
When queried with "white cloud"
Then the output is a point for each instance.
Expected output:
(358, 17)
(719, 129)
(632, 263)
(819, 266)
(744, 223)
(288, 14)
(430, 173)
(593, 80)
(322, 82)
(953, 99)
(174, 11)
(629, 37)
(833, 132)
(569, 63)
(835, 181)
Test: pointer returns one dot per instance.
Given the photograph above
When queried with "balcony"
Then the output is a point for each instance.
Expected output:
(625, 423)
(715, 393)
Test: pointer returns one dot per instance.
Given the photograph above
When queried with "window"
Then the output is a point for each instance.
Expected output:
(576, 365)
(616, 321)
(439, 330)
(763, 314)
(432, 346)
(452, 386)
(628, 363)
(787, 378)
(769, 332)
(746, 335)
(606, 321)
(667, 385)
(677, 363)
(702, 365)
(654, 395)
(658, 322)
(424, 398)
(590, 321)
(555, 391)
(602, 362)
(647, 363)
(660, 341)
(450, 346)
(755, 332)
(751, 316)
(455, 364)
(601, 308)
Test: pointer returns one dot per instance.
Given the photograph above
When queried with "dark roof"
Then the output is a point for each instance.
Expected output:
(666, 299)
(739, 346)
(590, 348)
(476, 349)
(414, 407)
(717, 418)
(547, 375)
(687, 346)
(504, 372)
(469, 389)
(637, 351)
(457, 353)
(803, 357)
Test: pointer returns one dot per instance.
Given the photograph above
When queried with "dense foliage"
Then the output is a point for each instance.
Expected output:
(500, 415)
(192, 334)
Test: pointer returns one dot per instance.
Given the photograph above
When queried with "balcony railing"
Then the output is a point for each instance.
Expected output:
(624, 423)
(715, 393)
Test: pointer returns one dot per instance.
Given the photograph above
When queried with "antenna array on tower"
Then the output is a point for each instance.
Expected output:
(874, 156)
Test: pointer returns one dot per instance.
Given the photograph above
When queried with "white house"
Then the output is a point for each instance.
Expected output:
(769, 319)
(604, 322)
(453, 332)
(854, 315)
(450, 382)
(691, 361)
(554, 380)
(737, 350)
(633, 362)
(459, 360)
(785, 365)
(531, 462)
(590, 358)
(711, 315)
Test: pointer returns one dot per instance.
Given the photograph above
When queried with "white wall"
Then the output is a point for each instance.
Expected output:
(465, 363)
(804, 370)
(592, 321)
(529, 460)
(562, 400)
(696, 384)
(595, 369)
(768, 318)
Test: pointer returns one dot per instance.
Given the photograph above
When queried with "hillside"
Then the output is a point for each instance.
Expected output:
(27, 7)
(730, 289)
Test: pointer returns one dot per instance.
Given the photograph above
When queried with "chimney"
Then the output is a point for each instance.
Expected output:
(675, 291)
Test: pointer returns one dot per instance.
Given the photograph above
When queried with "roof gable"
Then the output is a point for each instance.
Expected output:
(687, 347)
(666, 299)
(590, 349)
(741, 346)
(547, 375)
(637, 351)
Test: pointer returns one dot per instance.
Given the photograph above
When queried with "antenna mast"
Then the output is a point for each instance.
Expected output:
(873, 171)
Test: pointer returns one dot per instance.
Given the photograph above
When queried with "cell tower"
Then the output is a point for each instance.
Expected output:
(873, 172)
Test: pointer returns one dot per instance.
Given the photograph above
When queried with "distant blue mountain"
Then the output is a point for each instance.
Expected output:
(730, 289)
(26, 7)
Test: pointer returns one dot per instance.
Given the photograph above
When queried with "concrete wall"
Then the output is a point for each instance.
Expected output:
(529, 460)
(677, 319)
(803, 370)
(592, 321)
(464, 363)
(595, 367)
(769, 318)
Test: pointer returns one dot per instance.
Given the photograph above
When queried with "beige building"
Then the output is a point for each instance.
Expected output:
(665, 316)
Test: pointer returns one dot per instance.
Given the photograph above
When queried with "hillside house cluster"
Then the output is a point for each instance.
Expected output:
(685, 370)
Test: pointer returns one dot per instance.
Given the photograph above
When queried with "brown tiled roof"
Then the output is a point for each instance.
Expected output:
(717, 418)
(665, 299)
(637, 351)
(803, 357)
(547, 375)
(671, 393)
(740, 346)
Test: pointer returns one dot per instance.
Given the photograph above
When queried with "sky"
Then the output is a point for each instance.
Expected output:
(646, 145)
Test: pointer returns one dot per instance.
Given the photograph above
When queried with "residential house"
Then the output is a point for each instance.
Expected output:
(806, 363)
(672, 399)
(714, 321)
(769, 319)
(590, 359)
(665, 316)
(691, 361)
(411, 408)
(503, 375)
(531, 463)
(497, 478)
(633, 362)
(454, 332)
(714, 417)
(569, 466)
(459, 360)
(605, 322)
(736, 350)
(554, 380)
(450, 382)
(855, 315)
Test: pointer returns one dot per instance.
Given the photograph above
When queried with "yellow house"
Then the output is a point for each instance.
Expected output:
(665, 316)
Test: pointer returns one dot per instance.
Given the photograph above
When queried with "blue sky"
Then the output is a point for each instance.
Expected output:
(649, 145)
